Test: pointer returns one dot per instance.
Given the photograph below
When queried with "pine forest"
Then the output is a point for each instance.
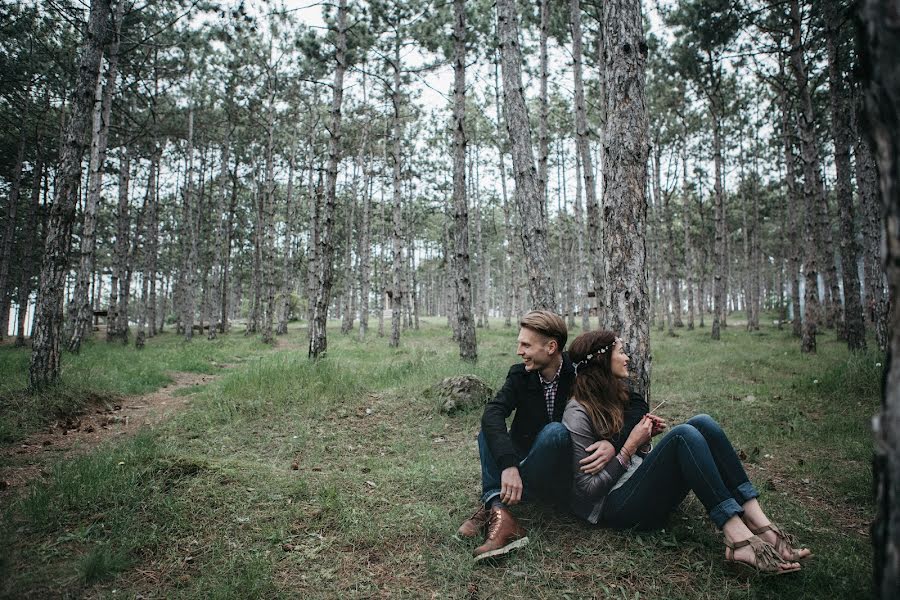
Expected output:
(193, 169)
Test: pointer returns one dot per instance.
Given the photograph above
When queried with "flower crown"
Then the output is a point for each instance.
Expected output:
(590, 356)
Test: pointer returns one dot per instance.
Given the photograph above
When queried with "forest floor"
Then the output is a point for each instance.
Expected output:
(78, 433)
(340, 479)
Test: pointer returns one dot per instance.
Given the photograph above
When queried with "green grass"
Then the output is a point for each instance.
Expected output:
(337, 479)
(103, 372)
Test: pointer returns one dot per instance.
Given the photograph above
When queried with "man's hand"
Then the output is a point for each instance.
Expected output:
(510, 486)
(602, 451)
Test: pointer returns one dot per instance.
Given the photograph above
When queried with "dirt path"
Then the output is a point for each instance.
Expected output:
(27, 459)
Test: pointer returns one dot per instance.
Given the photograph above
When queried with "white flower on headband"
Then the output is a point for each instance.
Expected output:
(590, 356)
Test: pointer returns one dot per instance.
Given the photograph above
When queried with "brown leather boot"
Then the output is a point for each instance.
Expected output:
(474, 525)
(503, 534)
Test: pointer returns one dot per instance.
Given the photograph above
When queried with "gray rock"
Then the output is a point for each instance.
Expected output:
(461, 393)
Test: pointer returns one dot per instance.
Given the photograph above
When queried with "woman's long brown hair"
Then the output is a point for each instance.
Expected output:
(603, 395)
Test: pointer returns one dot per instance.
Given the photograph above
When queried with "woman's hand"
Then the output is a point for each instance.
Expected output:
(659, 425)
(640, 435)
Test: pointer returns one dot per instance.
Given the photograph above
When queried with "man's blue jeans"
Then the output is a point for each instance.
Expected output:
(545, 470)
(697, 456)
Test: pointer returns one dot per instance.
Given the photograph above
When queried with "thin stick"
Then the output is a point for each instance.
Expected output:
(653, 412)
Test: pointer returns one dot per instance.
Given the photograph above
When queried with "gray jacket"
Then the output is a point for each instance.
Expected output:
(590, 491)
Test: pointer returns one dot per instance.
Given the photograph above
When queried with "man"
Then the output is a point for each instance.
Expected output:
(532, 457)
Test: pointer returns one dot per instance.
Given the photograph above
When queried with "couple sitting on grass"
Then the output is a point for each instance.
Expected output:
(581, 436)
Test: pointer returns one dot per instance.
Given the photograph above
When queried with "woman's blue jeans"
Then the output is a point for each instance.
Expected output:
(545, 470)
(697, 456)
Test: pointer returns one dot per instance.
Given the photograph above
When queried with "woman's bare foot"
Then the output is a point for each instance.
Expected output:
(759, 524)
(782, 542)
(746, 549)
(758, 555)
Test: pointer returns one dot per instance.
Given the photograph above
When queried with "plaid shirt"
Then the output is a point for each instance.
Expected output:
(550, 388)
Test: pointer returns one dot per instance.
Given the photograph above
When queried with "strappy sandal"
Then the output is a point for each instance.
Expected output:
(784, 542)
(767, 560)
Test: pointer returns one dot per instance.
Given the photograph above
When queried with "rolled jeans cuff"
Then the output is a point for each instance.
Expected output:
(745, 493)
(725, 510)
(488, 496)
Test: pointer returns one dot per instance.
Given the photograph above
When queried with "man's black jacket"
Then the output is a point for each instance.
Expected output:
(522, 392)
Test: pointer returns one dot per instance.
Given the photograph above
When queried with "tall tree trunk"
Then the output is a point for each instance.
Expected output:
(597, 257)
(407, 290)
(461, 267)
(581, 258)
(881, 45)
(44, 367)
(120, 253)
(412, 278)
(829, 267)
(702, 270)
(139, 258)
(689, 261)
(510, 283)
(854, 327)
(544, 116)
(268, 221)
(783, 264)
(812, 185)
(189, 258)
(218, 208)
(396, 291)
(626, 149)
(566, 280)
(31, 229)
(364, 249)
(871, 209)
(348, 299)
(793, 206)
(755, 257)
(287, 268)
(380, 264)
(226, 247)
(720, 265)
(528, 197)
(672, 274)
(201, 218)
(479, 291)
(314, 194)
(151, 250)
(9, 234)
(82, 314)
(132, 248)
(746, 235)
(656, 229)
(256, 285)
(318, 341)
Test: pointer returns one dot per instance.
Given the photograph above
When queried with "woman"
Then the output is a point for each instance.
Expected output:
(641, 486)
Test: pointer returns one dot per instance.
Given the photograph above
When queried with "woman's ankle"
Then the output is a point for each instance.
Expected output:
(736, 530)
(753, 515)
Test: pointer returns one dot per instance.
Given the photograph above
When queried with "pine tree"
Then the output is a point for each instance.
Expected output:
(44, 367)
(626, 150)
(528, 196)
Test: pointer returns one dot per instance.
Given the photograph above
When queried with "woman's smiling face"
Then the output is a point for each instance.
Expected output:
(619, 360)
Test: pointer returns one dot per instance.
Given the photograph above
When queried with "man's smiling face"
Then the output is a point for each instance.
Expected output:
(536, 349)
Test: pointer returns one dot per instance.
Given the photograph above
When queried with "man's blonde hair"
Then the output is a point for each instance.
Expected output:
(548, 324)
